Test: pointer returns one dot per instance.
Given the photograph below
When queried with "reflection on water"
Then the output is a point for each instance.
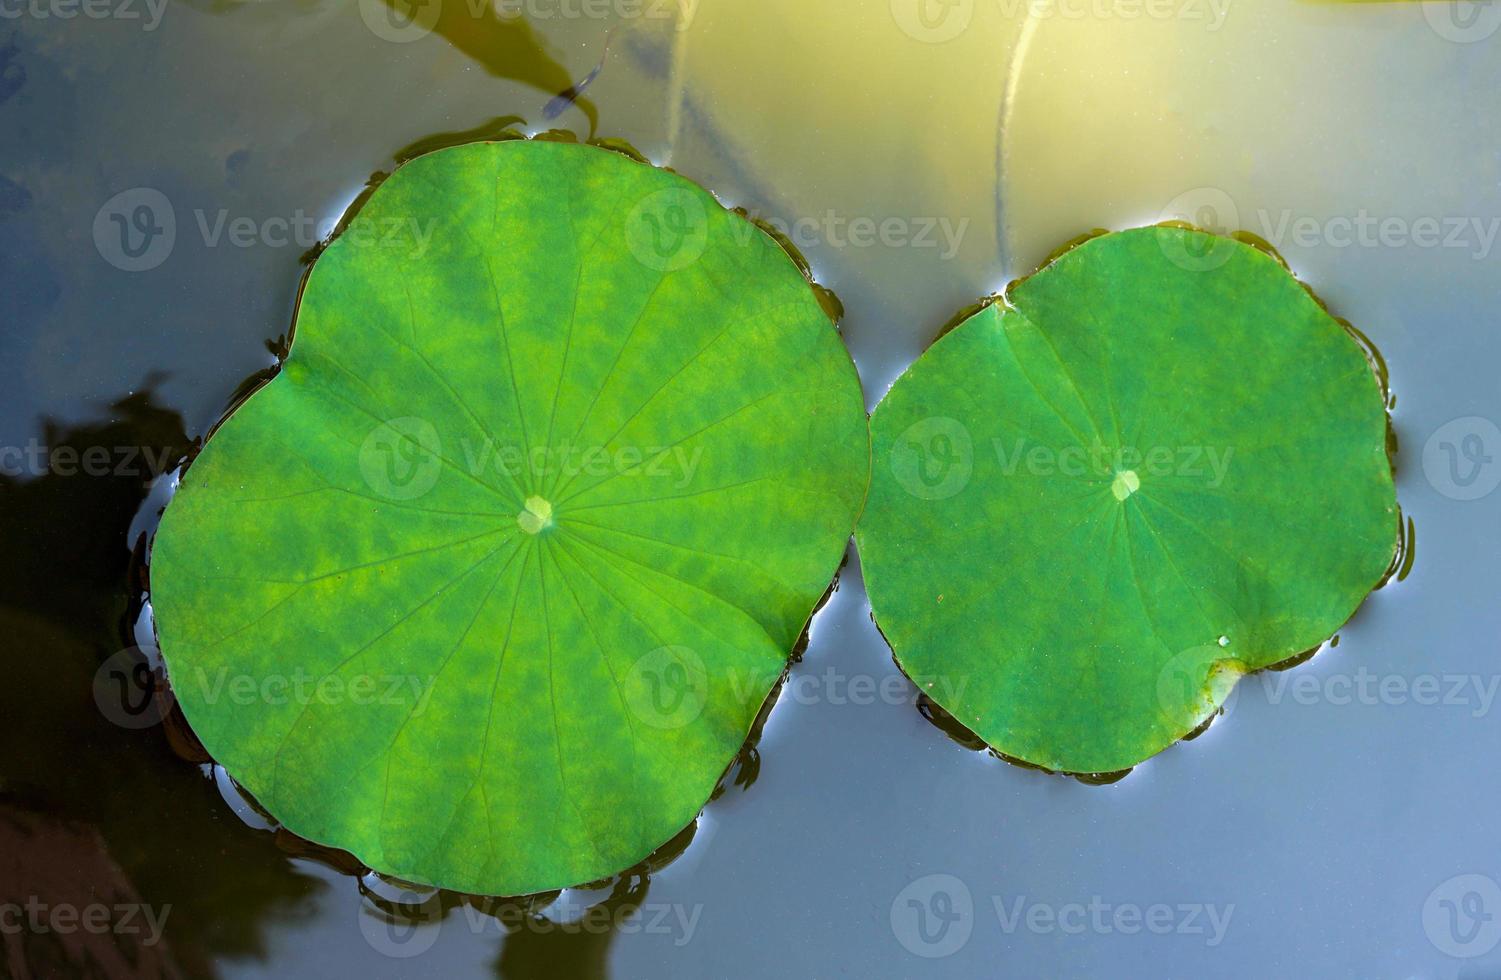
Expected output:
(506, 47)
(918, 162)
(1306, 124)
(531, 954)
(49, 863)
(107, 814)
(555, 934)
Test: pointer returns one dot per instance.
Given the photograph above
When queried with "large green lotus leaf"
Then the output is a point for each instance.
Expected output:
(1155, 465)
(488, 584)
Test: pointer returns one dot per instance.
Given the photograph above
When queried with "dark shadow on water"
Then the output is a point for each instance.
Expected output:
(532, 954)
(552, 934)
(506, 48)
(92, 811)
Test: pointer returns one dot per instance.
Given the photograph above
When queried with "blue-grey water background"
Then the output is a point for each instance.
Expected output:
(1337, 822)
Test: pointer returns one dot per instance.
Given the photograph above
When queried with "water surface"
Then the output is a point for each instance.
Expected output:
(1323, 828)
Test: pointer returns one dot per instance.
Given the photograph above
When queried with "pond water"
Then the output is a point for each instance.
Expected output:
(165, 165)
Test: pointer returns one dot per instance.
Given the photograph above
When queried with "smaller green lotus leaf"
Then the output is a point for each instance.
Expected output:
(1156, 465)
(489, 583)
